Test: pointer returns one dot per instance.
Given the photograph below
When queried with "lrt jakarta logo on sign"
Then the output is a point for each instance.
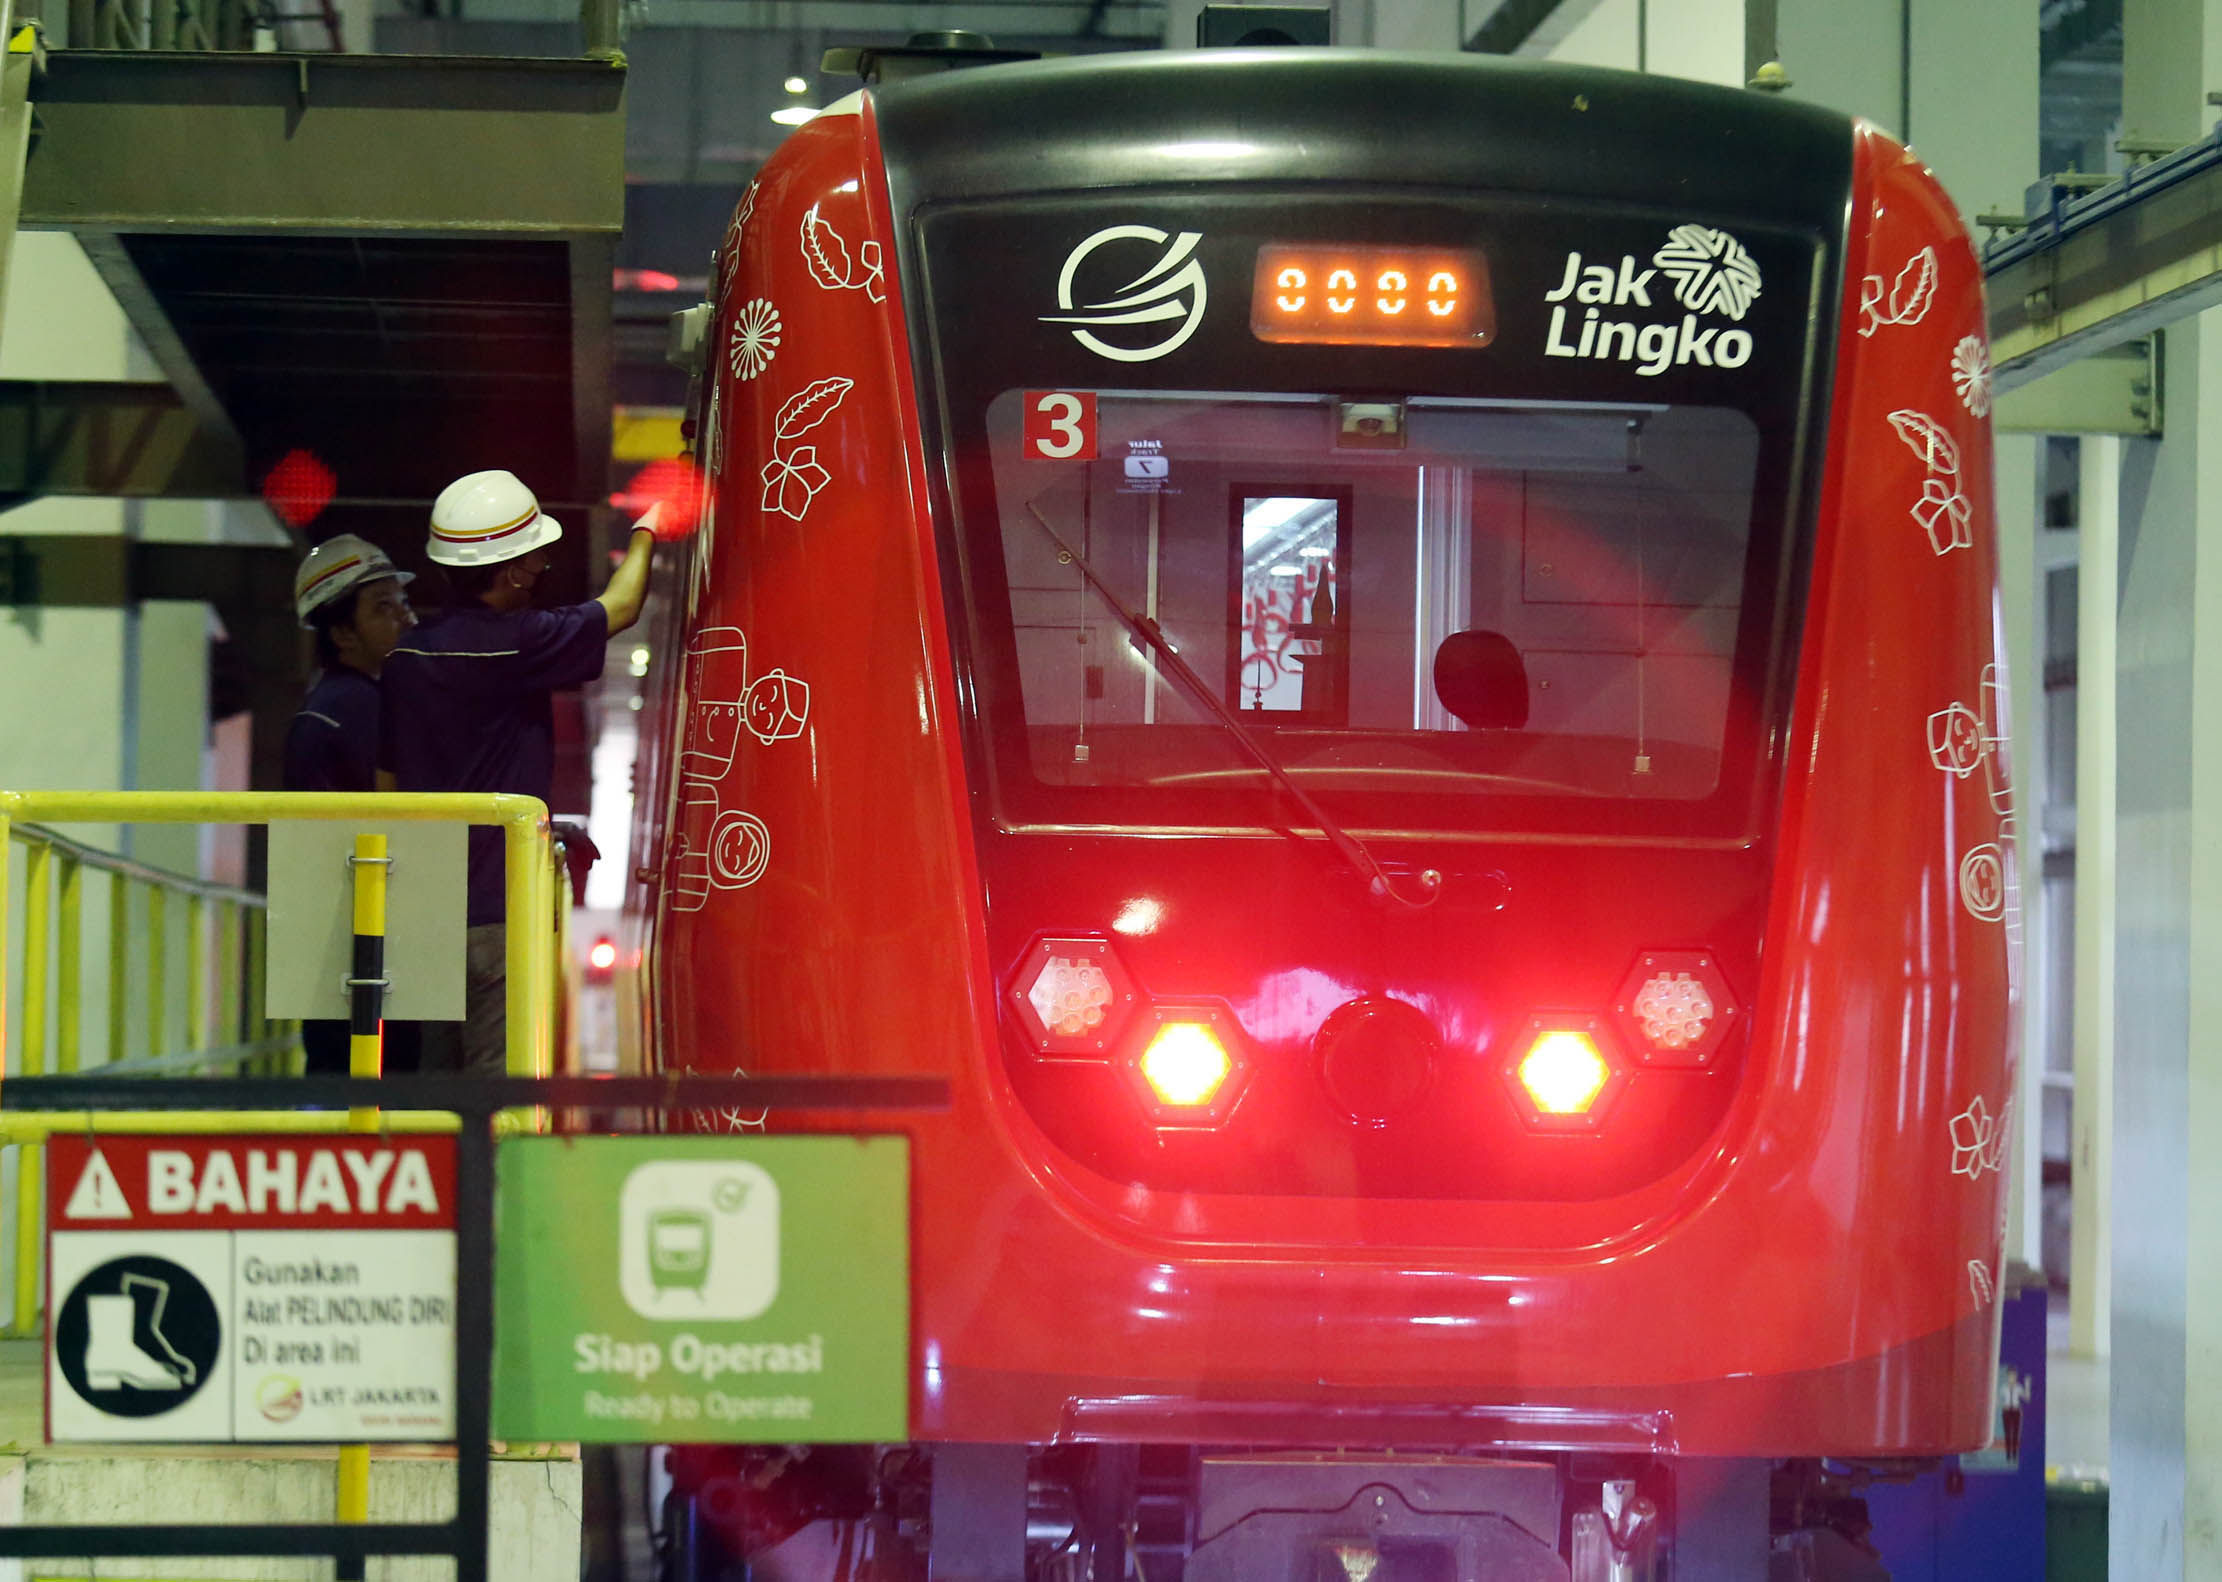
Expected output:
(1708, 271)
(273, 1288)
(1162, 287)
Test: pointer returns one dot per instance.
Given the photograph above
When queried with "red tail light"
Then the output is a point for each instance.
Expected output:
(1188, 1064)
(1564, 1073)
(1185, 1065)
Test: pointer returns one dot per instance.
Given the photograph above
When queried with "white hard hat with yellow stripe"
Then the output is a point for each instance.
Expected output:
(338, 566)
(484, 518)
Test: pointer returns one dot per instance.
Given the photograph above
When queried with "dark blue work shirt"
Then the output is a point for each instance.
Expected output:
(332, 744)
(467, 708)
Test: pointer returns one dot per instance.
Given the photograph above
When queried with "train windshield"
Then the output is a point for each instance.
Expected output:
(1529, 578)
(1446, 598)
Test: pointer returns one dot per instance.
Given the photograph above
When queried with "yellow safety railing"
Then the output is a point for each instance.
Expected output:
(54, 1006)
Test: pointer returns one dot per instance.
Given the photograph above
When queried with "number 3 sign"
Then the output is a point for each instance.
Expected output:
(1060, 425)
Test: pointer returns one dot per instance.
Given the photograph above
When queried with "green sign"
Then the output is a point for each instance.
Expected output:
(697, 1290)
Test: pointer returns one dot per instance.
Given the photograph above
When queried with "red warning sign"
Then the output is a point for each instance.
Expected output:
(252, 1183)
(251, 1289)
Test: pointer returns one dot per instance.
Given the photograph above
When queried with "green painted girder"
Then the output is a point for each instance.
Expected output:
(156, 141)
(114, 440)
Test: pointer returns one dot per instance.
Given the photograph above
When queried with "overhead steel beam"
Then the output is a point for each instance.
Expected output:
(2115, 391)
(1135, 20)
(112, 440)
(332, 144)
(591, 359)
(113, 264)
(2106, 268)
(1526, 26)
(23, 60)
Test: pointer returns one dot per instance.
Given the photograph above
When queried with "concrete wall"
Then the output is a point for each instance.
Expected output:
(535, 1506)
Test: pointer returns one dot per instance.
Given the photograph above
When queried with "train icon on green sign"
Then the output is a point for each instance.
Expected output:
(698, 1239)
(678, 1248)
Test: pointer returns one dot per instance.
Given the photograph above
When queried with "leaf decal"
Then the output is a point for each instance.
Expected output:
(824, 251)
(1916, 284)
(807, 410)
(1926, 438)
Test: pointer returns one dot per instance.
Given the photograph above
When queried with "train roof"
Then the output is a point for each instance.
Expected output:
(1364, 118)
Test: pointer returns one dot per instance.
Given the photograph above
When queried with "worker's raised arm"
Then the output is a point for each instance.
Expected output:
(628, 585)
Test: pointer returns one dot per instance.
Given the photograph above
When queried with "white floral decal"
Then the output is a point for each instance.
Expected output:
(755, 338)
(793, 477)
(1943, 510)
(1710, 269)
(727, 261)
(741, 217)
(728, 1118)
(1978, 1141)
(828, 257)
(1979, 1281)
(792, 481)
(1945, 516)
(1971, 374)
(1904, 302)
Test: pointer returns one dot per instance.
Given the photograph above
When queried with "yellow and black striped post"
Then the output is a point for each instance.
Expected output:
(366, 983)
(366, 1057)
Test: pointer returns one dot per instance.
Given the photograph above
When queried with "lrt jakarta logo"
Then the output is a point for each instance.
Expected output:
(1709, 273)
(1170, 288)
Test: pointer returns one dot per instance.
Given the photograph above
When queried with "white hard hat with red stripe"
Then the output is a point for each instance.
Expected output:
(337, 566)
(484, 518)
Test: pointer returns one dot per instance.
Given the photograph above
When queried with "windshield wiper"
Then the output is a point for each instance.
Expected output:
(1146, 631)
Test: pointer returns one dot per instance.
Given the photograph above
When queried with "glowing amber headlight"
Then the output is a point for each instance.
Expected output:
(1564, 1072)
(1185, 1065)
(1188, 1064)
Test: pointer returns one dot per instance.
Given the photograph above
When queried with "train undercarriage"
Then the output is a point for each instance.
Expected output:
(1180, 1513)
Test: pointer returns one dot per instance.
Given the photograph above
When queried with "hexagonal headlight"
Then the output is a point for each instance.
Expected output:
(1071, 996)
(1675, 1007)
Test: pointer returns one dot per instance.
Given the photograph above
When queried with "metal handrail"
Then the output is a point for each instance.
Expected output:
(240, 1034)
(125, 867)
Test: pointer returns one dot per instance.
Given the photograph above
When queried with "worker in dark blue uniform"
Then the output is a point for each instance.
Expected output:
(468, 706)
(353, 598)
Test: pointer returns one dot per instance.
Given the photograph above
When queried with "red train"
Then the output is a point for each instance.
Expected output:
(1391, 665)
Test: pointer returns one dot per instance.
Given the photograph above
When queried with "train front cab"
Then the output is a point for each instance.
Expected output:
(1390, 665)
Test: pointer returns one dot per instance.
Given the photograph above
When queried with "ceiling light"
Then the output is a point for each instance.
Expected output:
(796, 85)
(794, 114)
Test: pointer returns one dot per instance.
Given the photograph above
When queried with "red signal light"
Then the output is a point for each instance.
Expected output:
(299, 487)
(673, 488)
(603, 956)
